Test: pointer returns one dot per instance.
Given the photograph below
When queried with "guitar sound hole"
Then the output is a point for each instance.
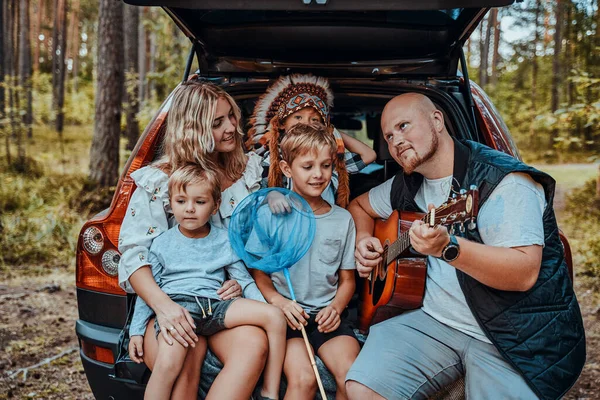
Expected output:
(378, 286)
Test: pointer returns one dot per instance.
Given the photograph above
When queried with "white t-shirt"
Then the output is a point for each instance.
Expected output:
(511, 217)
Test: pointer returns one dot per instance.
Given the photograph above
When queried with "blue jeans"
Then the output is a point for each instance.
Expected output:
(208, 314)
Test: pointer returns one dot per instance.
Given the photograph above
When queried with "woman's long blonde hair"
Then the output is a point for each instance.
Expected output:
(189, 139)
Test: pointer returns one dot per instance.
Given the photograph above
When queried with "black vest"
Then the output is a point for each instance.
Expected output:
(540, 331)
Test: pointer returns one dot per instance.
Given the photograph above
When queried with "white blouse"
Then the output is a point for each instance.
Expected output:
(149, 213)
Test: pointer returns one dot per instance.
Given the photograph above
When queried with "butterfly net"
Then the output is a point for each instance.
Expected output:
(271, 241)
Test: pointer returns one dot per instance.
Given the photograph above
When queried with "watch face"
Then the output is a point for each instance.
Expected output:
(450, 253)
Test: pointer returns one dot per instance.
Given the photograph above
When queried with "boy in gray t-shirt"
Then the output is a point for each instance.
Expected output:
(189, 262)
(324, 278)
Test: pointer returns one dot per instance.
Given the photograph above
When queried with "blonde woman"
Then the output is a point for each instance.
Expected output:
(202, 128)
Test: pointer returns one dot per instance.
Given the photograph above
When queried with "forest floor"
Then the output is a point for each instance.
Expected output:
(39, 354)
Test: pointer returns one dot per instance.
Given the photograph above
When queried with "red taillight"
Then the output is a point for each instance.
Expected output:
(97, 353)
(98, 258)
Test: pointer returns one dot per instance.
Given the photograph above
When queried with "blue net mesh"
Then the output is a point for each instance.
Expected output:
(267, 241)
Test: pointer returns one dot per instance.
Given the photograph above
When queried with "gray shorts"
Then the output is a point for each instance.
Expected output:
(208, 314)
(413, 356)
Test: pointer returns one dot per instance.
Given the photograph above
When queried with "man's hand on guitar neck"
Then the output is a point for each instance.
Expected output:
(427, 240)
(367, 254)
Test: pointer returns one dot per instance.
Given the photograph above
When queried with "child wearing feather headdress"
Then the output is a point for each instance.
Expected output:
(305, 99)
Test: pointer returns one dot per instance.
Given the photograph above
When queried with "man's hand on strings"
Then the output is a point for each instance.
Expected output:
(368, 255)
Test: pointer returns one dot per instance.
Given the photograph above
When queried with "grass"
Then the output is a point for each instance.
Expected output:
(43, 210)
(570, 176)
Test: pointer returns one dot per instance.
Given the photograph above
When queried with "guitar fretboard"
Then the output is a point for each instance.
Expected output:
(400, 245)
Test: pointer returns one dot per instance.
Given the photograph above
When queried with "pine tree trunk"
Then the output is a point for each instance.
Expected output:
(3, 44)
(486, 48)
(534, 69)
(36, 38)
(25, 67)
(58, 62)
(482, 63)
(469, 52)
(75, 44)
(14, 99)
(142, 57)
(569, 59)
(132, 129)
(152, 66)
(60, 115)
(495, 52)
(556, 65)
(104, 153)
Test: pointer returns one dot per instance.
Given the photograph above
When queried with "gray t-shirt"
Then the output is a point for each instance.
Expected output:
(196, 267)
(511, 217)
(315, 277)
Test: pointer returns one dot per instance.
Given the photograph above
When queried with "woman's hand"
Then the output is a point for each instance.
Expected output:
(328, 319)
(231, 289)
(294, 313)
(136, 349)
(176, 323)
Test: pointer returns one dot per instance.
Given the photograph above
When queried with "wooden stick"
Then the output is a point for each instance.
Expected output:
(313, 362)
(308, 348)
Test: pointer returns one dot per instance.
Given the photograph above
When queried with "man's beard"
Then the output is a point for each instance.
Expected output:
(413, 163)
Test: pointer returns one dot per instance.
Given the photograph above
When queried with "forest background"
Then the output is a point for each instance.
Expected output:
(64, 141)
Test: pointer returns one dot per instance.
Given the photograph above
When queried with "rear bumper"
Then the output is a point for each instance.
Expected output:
(101, 376)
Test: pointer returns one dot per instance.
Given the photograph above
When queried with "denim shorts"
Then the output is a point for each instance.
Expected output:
(208, 314)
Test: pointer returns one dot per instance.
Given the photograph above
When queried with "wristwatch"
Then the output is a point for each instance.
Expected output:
(451, 251)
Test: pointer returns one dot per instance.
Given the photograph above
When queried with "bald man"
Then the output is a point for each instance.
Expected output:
(499, 306)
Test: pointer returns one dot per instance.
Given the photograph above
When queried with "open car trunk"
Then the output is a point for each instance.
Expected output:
(352, 38)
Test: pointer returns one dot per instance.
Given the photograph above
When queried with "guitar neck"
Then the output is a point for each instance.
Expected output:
(398, 247)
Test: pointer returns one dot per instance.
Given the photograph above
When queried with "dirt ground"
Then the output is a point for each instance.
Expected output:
(37, 322)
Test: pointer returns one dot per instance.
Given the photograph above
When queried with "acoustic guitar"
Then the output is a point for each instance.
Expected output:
(397, 283)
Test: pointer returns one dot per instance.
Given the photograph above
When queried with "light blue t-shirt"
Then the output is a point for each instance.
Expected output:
(511, 217)
(195, 267)
(315, 276)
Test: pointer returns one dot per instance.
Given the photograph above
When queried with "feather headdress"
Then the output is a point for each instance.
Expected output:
(284, 97)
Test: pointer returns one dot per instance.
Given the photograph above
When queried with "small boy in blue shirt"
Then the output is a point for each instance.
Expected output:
(323, 280)
(189, 262)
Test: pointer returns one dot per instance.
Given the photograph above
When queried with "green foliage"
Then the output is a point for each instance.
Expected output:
(38, 226)
(583, 229)
(43, 208)
(79, 106)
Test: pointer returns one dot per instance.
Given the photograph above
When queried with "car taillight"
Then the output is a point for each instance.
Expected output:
(97, 353)
(98, 258)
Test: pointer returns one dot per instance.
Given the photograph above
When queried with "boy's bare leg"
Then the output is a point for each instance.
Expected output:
(150, 345)
(271, 319)
(186, 385)
(243, 351)
(301, 380)
(338, 354)
(168, 364)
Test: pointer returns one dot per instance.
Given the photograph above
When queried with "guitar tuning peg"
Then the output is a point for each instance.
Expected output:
(473, 187)
(453, 196)
(452, 229)
(461, 227)
(462, 191)
(472, 225)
